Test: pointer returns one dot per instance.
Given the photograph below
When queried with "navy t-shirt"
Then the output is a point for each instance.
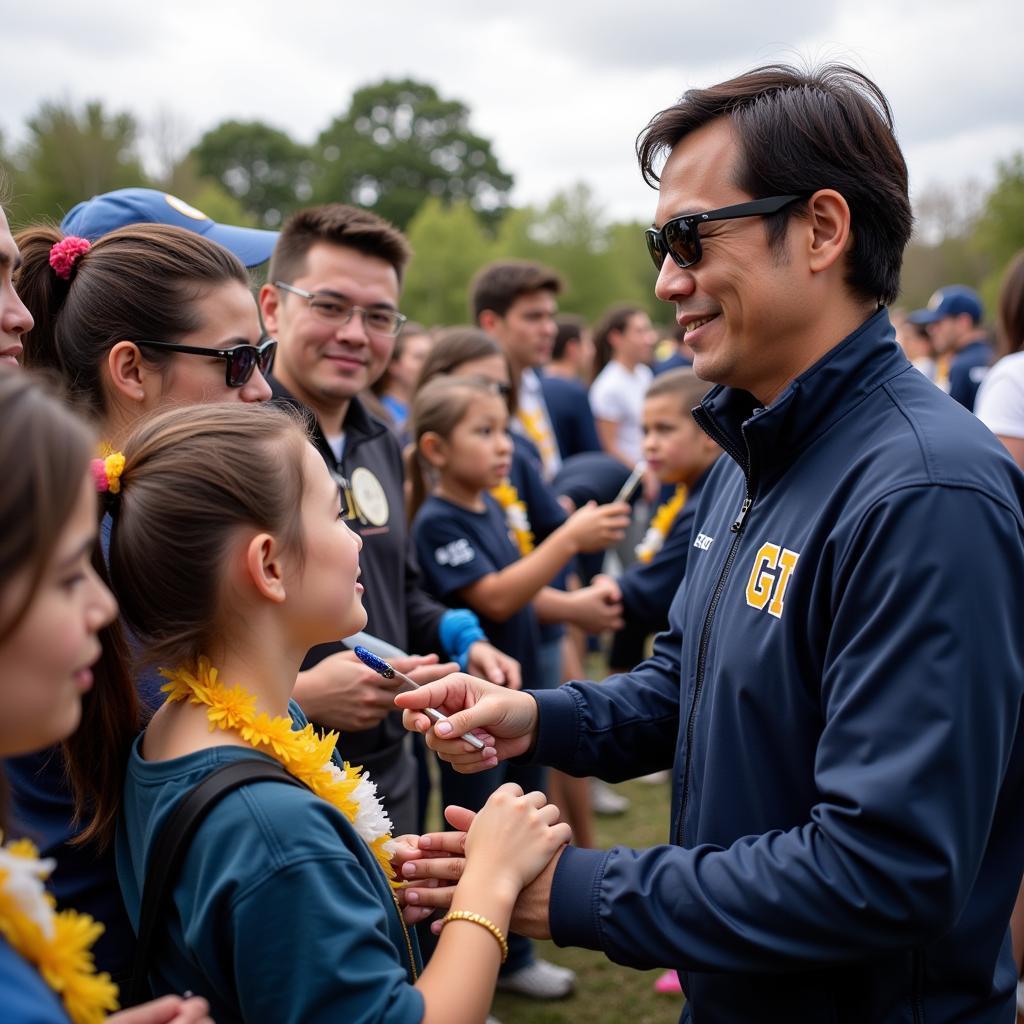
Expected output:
(456, 547)
(967, 370)
(571, 417)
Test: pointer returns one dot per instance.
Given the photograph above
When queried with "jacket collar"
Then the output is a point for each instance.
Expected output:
(359, 425)
(764, 442)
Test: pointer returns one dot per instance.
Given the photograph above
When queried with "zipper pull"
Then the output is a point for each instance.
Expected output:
(744, 509)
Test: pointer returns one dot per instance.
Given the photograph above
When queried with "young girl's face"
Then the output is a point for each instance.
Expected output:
(478, 454)
(45, 663)
(675, 448)
(326, 596)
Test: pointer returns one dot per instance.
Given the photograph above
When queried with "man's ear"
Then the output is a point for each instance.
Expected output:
(270, 301)
(828, 229)
(434, 449)
(264, 566)
(129, 375)
(488, 320)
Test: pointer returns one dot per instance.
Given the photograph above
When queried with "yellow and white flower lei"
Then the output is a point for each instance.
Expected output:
(303, 753)
(661, 523)
(516, 517)
(57, 943)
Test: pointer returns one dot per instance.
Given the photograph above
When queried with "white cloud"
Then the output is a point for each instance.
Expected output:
(561, 89)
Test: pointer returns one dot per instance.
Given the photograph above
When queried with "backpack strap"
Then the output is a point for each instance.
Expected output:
(170, 847)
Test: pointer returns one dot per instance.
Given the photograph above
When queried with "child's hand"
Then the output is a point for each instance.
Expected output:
(596, 608)
(596, 527)
(431, 866)
(515, 835)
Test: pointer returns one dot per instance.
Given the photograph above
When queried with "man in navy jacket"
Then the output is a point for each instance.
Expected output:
(839, 691)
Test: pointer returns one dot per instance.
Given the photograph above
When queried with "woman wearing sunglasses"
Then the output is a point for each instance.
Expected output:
(146, 316)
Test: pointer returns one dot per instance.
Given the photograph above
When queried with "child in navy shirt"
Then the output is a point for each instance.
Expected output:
(681, 455)
(470, 558)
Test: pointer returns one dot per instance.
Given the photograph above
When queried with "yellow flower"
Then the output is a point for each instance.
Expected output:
(661, 523)
(233, 707)
(516, 516)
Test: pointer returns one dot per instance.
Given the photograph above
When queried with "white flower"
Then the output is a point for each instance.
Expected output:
(652, 542)
(371, 820)
(24, 883)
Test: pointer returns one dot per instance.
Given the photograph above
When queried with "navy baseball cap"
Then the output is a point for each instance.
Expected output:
(118, 209)
(950, 301)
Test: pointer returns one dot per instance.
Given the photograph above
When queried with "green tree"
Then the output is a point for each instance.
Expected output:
(71, 154)
(1000, 231)
(449, 245)
(398, 143)
(260, 166)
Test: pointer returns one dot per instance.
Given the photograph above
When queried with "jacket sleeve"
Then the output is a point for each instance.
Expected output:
(921, 692)
(618, 729)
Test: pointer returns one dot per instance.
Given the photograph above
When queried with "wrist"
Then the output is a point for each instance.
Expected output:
(484, 886)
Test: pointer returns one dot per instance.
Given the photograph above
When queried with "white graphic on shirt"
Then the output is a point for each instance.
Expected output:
(459, 552)
(703, 542)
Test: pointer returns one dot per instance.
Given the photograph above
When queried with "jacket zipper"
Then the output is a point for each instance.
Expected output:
(918, 986)
(702, 653)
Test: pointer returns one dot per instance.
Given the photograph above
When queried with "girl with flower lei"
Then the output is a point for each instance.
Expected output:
(231, 560)
(53, 607)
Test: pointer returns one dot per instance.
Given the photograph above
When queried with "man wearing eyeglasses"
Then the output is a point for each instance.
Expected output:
(839, 693)
(332, 303)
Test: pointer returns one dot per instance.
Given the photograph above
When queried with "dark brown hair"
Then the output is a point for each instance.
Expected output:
(336, 224)
(615, 319)
(44, 457)
(439, 406)
(800, 131)
(192, 476)
(497, 286)
(138, 282)
(454, 347)
(681, 383)
(1010, 324)
(570, 328)
(410, 329)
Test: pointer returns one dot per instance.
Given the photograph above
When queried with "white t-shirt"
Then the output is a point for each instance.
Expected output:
(1000, 401)
(617, 394)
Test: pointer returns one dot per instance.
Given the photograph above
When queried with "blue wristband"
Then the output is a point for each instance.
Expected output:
(459, 629)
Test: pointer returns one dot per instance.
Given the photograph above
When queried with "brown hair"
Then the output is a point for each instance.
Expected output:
(410, 329)
(1010, 325)
(497, 286)
(615, 319)
(336, 224)
(439, 407)
(192, 476)
(44, 456)
(454, 347)
(138, 282)
(570, 328)
(800, 131)
(681, 383)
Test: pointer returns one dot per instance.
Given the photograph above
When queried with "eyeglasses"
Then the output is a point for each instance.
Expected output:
(241, 360)
(680, 239)
(335, 310)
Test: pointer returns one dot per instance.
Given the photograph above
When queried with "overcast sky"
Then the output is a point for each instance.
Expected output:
(561, 87)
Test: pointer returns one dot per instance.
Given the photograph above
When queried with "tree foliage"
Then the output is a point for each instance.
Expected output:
(260, 166)
(71, 154)
(400, 143)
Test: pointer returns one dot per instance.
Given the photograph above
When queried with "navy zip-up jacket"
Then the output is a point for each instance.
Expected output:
(839, 694)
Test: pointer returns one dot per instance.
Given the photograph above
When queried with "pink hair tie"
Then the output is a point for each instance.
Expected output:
(66, 253)
(106, 473)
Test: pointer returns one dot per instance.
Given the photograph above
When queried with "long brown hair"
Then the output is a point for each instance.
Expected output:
(454, 347)
(1010, 324)
(191, 477)
(438, 408)
(44, 455)
(615, 320)
(139, 282)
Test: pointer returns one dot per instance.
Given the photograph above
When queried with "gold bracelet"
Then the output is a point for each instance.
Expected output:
(466, 915)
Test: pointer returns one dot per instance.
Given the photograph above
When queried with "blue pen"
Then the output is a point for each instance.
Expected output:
(379, 665)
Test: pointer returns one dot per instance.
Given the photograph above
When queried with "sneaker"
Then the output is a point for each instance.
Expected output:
(492, 1020)
(539, 980)
(656, 778)
(604, 800)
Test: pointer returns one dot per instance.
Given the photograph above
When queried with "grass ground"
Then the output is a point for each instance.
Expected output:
(606, 993)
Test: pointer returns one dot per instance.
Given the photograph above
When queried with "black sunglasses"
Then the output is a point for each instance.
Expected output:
(241, 360)
(680, 239)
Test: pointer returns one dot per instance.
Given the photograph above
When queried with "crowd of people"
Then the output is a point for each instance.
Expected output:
(252, 536)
